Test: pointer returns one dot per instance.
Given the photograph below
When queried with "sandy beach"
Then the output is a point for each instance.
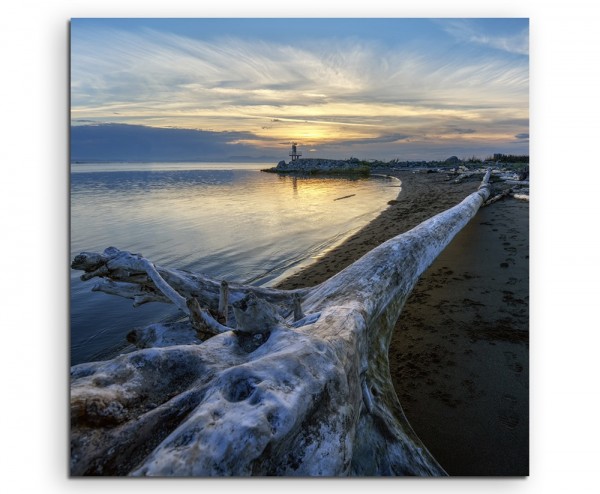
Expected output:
(459, 356)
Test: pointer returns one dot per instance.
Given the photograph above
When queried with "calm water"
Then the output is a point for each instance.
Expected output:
(227, 220)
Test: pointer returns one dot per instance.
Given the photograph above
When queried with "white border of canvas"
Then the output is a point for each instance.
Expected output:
(565, 45)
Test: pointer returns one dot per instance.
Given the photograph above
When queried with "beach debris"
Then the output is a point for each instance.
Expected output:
(517, 182)
(465, 174)
(498, 197)
(344, 197)
(522, 197)
(127, 275)
(274, 391)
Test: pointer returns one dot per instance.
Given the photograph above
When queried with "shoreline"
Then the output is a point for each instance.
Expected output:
(459, 355)
(312, 261)
(421, 196)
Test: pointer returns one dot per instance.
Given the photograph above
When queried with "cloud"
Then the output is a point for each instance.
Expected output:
(341, 91)
(465, 30)
(522, 136)
(462, 131)
(119, 142)
(374, 140)
(520, 122)
(230, 74)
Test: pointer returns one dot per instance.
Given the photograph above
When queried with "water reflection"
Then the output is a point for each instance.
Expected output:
(238, 224)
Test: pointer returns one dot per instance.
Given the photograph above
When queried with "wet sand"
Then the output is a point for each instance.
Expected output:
(459, 356)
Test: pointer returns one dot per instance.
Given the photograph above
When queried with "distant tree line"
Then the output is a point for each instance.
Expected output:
(509, 158)
(512, 161)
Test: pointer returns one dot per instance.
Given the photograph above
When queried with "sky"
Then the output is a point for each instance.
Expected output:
(214, 89)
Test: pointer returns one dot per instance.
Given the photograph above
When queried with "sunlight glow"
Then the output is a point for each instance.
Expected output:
(322, 93)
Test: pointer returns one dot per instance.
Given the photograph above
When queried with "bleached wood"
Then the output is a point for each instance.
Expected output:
(224, 300)
(273, 397)
(254, 315)
(166, 289)
(298, 314)
(202, 320)
(498, 197)
(129, 290)
(122, 266)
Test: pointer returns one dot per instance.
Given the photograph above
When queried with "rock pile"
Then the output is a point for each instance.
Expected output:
(316, 165)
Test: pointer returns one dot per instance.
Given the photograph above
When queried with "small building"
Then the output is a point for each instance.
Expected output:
(294, 153)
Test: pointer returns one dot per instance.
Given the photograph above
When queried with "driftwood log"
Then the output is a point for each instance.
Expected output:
(498, 197)
(294, 383)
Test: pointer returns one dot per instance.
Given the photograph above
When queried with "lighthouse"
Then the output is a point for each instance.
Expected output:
(294, 153)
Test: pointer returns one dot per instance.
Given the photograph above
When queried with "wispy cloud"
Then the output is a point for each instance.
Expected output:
(376, 140)
(467, 31)
(313, 91)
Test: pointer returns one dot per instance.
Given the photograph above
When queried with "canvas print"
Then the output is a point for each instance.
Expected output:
(299, 247)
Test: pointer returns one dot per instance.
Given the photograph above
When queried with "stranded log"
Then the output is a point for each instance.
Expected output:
(272, 396)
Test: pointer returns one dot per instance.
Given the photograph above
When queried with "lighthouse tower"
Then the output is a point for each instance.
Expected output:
(295, 154)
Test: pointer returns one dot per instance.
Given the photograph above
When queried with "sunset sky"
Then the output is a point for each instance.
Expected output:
(370, 88)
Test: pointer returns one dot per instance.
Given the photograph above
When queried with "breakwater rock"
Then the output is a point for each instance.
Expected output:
(312, 166)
